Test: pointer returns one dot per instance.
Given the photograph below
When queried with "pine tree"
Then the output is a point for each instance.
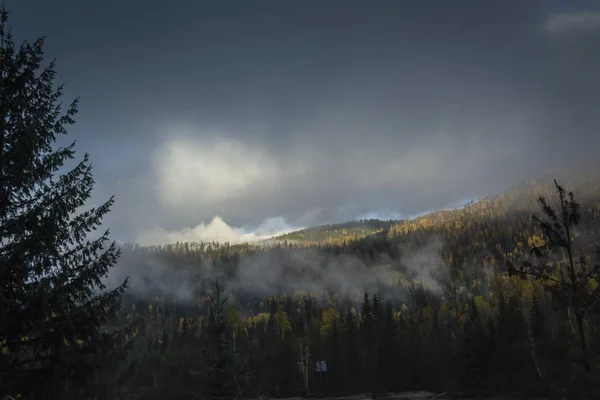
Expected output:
(473, 350)
(366, 320)
(52, 298)
(376, 309)
(335, 355)
(386, 352)
(352, 364)
(221, 376)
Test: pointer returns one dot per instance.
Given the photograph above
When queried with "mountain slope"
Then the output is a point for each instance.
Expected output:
(350, 230)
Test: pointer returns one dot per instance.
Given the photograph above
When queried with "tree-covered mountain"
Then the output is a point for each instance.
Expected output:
(350, 230)
(428, 303)
(520, 198)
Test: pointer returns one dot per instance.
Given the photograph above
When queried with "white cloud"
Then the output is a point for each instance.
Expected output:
(273, 227)
(209, 171)
(216, 230)
(568, 22)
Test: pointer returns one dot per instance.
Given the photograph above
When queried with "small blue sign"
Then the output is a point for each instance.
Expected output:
(321, 366)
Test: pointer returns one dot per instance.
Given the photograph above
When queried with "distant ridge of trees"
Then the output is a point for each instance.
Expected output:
(349, 230)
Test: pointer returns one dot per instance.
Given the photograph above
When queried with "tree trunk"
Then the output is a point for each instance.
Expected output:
(305, 370)
(583, 342)
(532, 352)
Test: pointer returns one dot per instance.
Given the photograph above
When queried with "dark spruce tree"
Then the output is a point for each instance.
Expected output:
(221, 374)
(54, 309)
(472, 350)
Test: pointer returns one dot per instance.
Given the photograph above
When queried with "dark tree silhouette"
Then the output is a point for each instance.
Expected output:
(52, 301)
(221, 375)
(571, 273)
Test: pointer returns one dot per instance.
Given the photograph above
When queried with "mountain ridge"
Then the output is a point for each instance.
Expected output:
(519, 198)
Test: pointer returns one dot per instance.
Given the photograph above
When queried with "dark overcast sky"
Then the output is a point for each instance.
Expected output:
(310, 112)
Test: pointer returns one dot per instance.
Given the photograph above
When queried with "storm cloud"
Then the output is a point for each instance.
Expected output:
(287, 114)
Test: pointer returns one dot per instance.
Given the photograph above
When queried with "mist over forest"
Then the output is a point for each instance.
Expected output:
(263, 272)
(283, 200)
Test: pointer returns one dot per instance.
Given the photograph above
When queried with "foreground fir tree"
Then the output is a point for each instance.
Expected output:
(54, 309)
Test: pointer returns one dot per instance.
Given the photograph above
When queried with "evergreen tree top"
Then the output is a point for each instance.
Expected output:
(52, 292)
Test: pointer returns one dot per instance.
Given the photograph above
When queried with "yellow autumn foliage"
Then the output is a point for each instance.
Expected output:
(536, 241)
(328, 317)
(482, 305)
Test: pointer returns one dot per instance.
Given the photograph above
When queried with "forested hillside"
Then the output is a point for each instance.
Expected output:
(334, 232)
(431, 303)
(476, 301)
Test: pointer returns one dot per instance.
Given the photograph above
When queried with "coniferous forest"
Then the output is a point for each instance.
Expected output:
(499, 297)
